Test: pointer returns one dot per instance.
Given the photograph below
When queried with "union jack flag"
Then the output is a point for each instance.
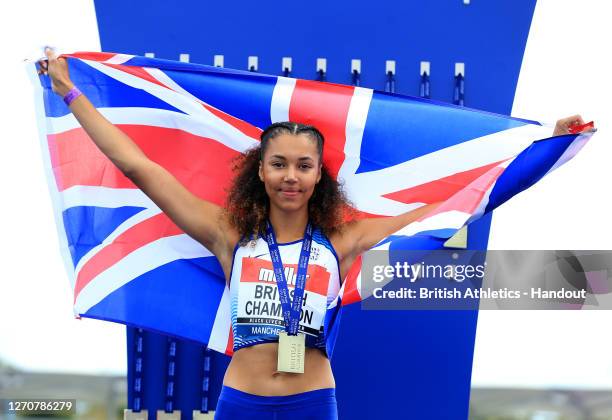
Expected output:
(129, 263)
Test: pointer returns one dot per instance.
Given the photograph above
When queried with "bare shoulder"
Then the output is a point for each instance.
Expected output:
(343, 240)
(227, 239)
(229, 235)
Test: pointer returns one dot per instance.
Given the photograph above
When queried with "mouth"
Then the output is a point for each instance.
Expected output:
(290, 193)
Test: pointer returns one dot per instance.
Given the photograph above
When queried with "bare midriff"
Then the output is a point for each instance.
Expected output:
(253, 370)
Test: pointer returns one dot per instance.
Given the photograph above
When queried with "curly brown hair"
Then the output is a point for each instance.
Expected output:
(248, 203)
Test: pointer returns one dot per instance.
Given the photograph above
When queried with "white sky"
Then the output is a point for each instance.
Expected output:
(566, 70)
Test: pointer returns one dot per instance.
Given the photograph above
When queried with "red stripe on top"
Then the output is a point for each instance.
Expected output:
(156, 227)
(133, 70)
(242, 126)
(201, 164)
(326, 106)
(469, 198)
(440, 189)
(93, 56)
(138, 72)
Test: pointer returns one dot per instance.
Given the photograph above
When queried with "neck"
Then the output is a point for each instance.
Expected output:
(288, 226)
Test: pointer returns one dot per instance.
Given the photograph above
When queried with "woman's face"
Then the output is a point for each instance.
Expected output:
(290, 169)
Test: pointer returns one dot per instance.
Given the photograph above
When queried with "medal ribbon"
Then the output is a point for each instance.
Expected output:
(291, 311)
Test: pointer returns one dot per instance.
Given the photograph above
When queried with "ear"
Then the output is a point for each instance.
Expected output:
(320, 172)
(261, 172)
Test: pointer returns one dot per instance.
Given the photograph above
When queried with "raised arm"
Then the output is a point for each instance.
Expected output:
(361, 235)
(200, 219)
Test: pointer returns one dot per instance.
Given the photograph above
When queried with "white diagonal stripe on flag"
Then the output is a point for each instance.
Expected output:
(118, 231)
(94, 196)
(137, 263)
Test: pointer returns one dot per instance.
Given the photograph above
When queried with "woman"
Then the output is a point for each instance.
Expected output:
(283, 225)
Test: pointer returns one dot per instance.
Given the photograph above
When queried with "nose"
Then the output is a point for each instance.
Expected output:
(290, 175)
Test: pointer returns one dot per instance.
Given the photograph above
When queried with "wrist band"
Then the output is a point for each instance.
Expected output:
(72, 95)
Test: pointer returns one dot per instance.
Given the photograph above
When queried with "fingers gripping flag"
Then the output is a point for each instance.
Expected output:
(129, 263)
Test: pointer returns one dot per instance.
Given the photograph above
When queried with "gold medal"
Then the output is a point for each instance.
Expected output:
(291, 352)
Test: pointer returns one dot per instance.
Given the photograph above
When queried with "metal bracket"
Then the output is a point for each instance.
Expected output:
(425, 67)
(197, 415)
(175, 415)
(253, 63)
(322, 65)
(287, 63)
(218, 61)
(460, 69)
(390, 67)
(133, 415)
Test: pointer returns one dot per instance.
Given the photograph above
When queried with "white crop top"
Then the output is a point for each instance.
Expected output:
(256, 309)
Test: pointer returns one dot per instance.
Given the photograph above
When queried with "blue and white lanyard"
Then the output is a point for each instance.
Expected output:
(291, 311)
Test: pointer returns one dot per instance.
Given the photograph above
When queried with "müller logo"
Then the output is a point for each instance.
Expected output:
(261, 271)
(290, 274)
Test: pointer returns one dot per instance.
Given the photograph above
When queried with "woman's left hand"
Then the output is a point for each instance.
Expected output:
(564, 124)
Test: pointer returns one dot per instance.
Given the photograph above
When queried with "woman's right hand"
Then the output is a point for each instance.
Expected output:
(57, 69)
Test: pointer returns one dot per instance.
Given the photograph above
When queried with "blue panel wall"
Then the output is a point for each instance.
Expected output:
(388, 365)
(489, 36)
